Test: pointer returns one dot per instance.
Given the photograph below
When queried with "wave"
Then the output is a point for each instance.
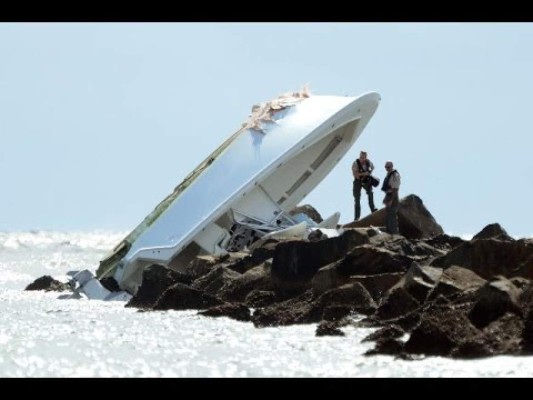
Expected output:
(42, 239)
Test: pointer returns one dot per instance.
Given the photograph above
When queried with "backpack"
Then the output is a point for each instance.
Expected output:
(374, 181)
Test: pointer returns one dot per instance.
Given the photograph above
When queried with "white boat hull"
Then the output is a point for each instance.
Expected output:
(252, 180)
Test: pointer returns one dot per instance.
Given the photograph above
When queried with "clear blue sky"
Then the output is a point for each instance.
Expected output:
(99, 122)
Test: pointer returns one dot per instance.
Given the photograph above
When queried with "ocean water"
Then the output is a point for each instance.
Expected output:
(43, 336)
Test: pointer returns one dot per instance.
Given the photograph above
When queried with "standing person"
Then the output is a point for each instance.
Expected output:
(391, 186)
(362, 169)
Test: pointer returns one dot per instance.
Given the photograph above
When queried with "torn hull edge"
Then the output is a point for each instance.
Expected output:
(245, 188)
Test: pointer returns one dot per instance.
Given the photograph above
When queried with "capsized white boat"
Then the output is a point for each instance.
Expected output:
(246, 187)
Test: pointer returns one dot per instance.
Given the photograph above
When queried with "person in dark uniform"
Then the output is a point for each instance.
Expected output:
(362, 169)
(391, 187)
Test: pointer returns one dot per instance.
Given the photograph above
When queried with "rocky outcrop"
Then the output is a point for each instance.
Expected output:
(182, 297)
(215, 279)
(296, 262)
(419, 281)
(439, 334)
(444, 242)
(260, 298)
(328, 328)
(368, 259)
(156, 279)
(387, 341)
(378, 284)
(428, 293)
(492, 231)
(328, 277)
(297, 310)
(47, 283)
(259, 255)
(257, 278)
(352, 295)
(414, 220)
(493, 300)
(456, 280)
(235, 311)
(489, 257)
(396, 303)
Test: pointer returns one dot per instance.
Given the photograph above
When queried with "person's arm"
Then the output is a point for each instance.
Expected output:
(394, 184)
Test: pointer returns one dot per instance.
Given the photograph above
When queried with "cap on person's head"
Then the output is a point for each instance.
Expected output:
(388, 164)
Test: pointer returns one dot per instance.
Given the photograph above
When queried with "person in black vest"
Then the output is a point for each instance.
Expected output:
(362, 169)
(391, 187)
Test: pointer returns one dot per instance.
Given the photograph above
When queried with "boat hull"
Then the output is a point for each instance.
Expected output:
(255, 177)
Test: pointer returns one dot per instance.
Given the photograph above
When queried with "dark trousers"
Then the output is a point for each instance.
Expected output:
(391, 217)
(357, 185)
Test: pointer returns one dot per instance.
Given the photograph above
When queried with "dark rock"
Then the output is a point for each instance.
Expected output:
(456, 280)
(366, 259)
(371, 232)
(327, 278)
(386, 346)
(258, 256)
(437, 334)
(260, 298)
(526, 298)
(444, 242)
(502, 336)
(232, 310)
(520, 283)
(417, 250)
(328, 328)
(408, 321)
(353, 295)
(396, 303)
(526, 302)
(489, 257)
(368, 322)
(183, 297)
(47, 283)
(527, 333)
(296, 262)
(268, 244)
(336, 312)
(298, 310)
(316, 235)
(493, 300)
(414, 220)
(200, 266)
(525, 269)
(420, 280)
(492, 231)
(215, 279)
(377, 284)
(257, 278)
(110, 284)
(471, 349)
(156, 279)
(388, 332)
